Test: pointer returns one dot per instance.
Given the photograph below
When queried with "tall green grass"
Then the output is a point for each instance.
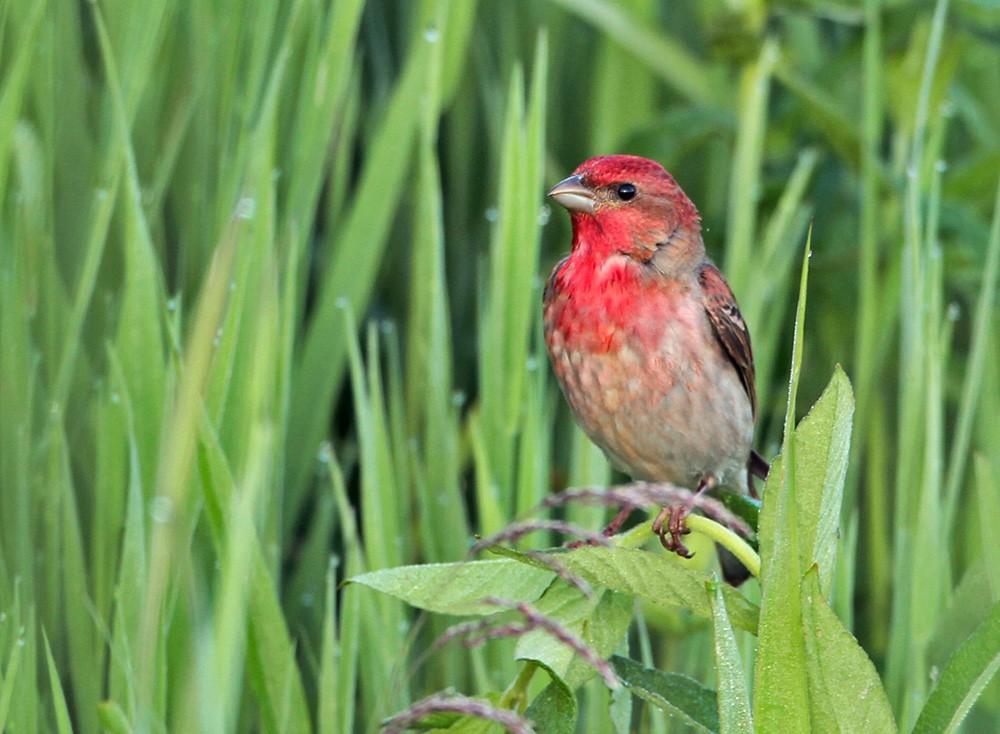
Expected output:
(270, 280)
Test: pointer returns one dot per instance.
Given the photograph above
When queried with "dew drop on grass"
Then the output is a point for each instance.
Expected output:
(161, 509)
(954, 311)
(431, 35)
(246, 208)
(531, 364)
(492, 214)
(307, 599)
(341, 302)
(941, 166)
(544, 215)
(116, 398)
(172, 304)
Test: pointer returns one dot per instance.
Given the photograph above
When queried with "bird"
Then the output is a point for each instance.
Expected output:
(646, 339)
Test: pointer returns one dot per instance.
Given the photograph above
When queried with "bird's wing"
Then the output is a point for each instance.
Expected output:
(729, 327)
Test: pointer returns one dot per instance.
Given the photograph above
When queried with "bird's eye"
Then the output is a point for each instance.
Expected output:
(625, 191)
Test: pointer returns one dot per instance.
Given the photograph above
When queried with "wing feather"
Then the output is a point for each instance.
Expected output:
(729, 327)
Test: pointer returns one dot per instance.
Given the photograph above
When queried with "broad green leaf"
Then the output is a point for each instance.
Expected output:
(963, 679)
(734, 699)
(459, 588)
(822, 444)
(674, 693)
(599, 622)
(780, 697)
(655, 577)
(554, 709)
(844, 688)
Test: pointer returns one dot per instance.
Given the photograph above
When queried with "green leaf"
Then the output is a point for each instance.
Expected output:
(734, 699)
(963, 678)
(459, 588)
(655, 577)
(780, 696)
(844, 688)
(822, 444)
(554, 709)
(674, 693)
(63, 724)
(745, 507)
(600, 623)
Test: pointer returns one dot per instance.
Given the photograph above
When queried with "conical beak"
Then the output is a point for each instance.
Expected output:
(574, 194)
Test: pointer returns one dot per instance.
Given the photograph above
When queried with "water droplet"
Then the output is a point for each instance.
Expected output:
(307, 599)
(911, 171)
(936, 251)
(161, 508)
(275, 174)
(232, 285)
(172, 304)
(342, 302)
(941, 166)
(116, 398)
(3, 617)
(20, 642)
(954, 311)
(458, 398)
(101, 194)
(54, 408)
(544, 215)
(431, 35)
(531, 364)
(492, 214)
(246, 208)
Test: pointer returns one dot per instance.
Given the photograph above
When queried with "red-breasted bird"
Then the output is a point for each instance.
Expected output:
(646, 338)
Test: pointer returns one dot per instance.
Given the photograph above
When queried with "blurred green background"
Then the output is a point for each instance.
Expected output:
(270, 316)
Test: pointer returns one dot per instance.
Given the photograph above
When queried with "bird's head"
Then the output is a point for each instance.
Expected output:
(623, 204)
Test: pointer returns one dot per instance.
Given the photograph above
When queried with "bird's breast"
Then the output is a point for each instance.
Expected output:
(648, 382)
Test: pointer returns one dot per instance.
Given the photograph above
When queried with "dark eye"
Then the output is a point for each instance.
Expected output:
(625, 191)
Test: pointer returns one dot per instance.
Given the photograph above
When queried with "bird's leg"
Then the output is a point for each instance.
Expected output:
(675, 517)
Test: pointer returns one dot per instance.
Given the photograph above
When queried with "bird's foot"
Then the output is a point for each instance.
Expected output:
(670, 525)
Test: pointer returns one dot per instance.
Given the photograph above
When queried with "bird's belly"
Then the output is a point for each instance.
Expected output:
(673, 414)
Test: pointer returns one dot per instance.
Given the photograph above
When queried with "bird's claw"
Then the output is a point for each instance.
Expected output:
(670, 525)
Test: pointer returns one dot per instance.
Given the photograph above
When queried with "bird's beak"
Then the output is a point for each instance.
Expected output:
(574, 194)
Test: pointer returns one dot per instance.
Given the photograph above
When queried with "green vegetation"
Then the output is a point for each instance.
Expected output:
(270, 282)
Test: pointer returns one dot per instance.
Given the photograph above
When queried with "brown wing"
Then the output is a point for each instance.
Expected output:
(727, 321)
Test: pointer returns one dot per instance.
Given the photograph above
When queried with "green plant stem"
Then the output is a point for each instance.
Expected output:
(722, 535)
(516, 696)
(728, 540)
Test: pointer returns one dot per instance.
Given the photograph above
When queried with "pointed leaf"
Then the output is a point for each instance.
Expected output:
(734, 699)
(459, 588)
(654, 577)
(674, 693)
(554, 710)
(963, 678)
(844, 687)
(600, 623)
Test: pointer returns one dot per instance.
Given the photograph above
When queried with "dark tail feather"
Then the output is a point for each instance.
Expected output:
(734, 572)
(757, 466)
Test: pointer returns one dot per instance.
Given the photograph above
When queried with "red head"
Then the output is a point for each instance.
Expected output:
(631, 205)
